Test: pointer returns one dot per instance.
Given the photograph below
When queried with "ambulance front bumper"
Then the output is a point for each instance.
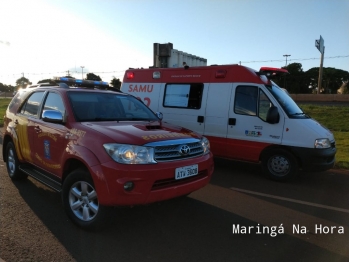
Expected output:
(314, 159)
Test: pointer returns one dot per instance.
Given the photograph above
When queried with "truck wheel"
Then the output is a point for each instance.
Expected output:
(279, 164)
(12, 163)
(80, 201)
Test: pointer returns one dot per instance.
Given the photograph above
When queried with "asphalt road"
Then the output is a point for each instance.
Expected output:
(34, 227)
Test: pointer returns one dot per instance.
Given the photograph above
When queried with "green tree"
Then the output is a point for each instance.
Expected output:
(115, 83)
(22, 82)
(300, 82)
(332, 79)
(6, 88)
(295, 82)
(52, 82)
(92, 76)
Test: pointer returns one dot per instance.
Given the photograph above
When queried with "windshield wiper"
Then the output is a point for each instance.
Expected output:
(297, 114)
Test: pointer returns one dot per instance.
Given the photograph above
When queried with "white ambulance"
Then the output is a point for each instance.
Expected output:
(244, 114)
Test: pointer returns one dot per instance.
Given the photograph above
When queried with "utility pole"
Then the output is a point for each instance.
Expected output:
(285, 75)
(82, 72)
(319, 44)
(286, 58)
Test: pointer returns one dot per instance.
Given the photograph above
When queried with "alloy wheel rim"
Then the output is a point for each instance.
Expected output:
(83, 201)
(11, 163)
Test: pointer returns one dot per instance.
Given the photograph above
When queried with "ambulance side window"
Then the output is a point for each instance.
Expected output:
(246, 100)
(183, 95)
(263, 105)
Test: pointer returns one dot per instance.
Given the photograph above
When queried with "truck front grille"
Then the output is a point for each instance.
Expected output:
(172, 152)
(179, 149)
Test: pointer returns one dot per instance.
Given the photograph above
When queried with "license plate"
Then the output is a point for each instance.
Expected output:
(186, 171)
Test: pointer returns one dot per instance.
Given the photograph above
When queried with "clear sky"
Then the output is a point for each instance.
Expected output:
(46, 38)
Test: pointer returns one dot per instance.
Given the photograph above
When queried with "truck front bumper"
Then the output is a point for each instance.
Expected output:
(152, 183)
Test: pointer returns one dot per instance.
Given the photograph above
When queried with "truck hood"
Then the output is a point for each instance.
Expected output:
(140, 133)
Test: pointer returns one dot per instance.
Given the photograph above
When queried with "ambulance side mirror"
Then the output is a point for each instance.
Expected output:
(273, 116)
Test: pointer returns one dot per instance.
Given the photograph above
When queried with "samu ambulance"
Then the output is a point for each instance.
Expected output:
(244, 114)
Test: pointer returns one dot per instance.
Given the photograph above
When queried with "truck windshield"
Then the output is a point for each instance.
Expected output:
(286, 102)
(97, 106)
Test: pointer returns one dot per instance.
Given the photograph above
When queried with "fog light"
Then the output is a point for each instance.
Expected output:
(128, 186)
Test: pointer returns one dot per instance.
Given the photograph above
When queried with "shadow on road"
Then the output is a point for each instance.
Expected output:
(182, 229)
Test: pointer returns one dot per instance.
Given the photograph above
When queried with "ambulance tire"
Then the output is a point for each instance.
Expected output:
(81, 203)
(279, 164)
(12, 163)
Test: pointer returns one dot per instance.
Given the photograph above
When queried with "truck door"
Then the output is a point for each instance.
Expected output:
(25, 127)
(184, 105)
(50, 141)
(216, 116)
(248, 132)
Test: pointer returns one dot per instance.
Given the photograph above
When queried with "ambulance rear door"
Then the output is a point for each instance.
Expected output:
(216, 116)
(248, 132)
(183, 104)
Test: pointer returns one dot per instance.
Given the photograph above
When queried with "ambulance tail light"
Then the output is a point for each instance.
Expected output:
(221, 73)
(156, 75)
(130, 75)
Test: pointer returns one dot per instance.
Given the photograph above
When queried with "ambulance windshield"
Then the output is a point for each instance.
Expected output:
(286, 102)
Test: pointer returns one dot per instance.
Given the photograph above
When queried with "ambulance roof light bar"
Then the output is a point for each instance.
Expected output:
(270, 72)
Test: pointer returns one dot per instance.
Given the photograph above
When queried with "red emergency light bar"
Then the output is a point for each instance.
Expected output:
(271, 71)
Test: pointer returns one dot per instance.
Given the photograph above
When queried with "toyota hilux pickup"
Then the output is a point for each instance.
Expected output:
(99, 149)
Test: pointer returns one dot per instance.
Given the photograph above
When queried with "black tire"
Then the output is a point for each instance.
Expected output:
(12, 163)
(81, 203)
(279, 164)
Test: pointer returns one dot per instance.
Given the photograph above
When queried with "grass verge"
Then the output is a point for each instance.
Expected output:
(335, 118)
(3, 106)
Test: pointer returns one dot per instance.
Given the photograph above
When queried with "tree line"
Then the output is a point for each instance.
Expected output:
(23, 82)
(297, 82)
(300, 82)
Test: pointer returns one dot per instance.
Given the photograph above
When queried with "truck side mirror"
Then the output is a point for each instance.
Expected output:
(273, 116)
(159, 115)
(52, 116)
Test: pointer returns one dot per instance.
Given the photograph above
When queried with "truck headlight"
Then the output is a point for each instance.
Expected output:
(322, 143)
(130, 154)
(205, 145)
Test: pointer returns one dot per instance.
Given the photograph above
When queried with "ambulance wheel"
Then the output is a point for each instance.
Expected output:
(12, 163)
(80, 201)
(279, 164)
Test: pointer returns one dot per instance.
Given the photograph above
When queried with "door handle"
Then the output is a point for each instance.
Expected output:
(232, 121)
(201, 119)
(37, 129)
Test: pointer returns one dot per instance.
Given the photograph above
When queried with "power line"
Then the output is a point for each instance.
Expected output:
(121, 71)
(295, 59)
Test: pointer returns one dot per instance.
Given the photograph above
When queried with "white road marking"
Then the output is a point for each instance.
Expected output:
(290, 200)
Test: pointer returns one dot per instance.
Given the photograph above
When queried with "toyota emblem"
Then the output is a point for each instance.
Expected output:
(184, 150)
